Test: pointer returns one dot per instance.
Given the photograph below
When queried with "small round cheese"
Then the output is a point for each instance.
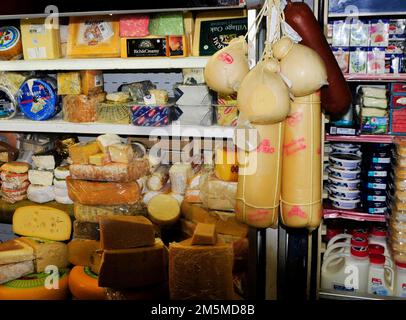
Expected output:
(163, 209)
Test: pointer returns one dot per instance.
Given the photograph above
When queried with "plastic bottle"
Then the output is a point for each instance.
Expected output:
(378, 236)
(346, 271)
(380, 276)
(336, 244)
(400, 283)
(378, 249)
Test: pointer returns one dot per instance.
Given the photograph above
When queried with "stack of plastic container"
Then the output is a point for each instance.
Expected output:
(344, 175)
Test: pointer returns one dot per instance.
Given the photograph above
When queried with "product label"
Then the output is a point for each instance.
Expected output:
(8, 37)
(146, 47)
(98, 80)
(377, 198)
(294, 119)
(94, 32)
(217, 34)
(37, 53)
(36, 29)
(265, 147)
(377, 210)
(377, 288)
(380, 160)
(379, 186)
(377, 173)
(341, 287)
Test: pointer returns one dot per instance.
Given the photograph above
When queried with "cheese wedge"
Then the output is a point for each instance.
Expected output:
(13, 251)
(42, 222)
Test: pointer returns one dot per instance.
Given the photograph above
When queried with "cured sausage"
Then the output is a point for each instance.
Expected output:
(336, 97)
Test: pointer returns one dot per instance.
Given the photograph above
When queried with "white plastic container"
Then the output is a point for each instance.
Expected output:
(346, 271)
(344, 193)
(345, 161)
(379, 236)
(400, 280)
(344, 174)
(381, 277)
(345, 148)
(374, 249)
(199, 115)
(343, 243)
(344, 204)
(343, 183)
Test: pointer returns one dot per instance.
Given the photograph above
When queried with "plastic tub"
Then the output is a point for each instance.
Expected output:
(345, 148)
(345, 161)
(344, 174)
(344, 204)
(344, 193)
(349, 184)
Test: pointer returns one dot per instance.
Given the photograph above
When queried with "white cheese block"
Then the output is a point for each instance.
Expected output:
(106, 140)
(180, 175)
(62, 173)
(60, 184)
(14, 271)
(40, 194)
(44, 162)
(60, 192)
(63, 200)
(41, 177)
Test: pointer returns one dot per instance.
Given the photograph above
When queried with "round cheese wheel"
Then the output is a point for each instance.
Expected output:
(61, 173)
(32, 287)
(83, 284)
(40, 194)
(163, 209)
(8, 104)
(10, 43)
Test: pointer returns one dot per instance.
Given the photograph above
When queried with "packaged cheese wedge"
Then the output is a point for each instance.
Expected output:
(259, 179)
(301, 162)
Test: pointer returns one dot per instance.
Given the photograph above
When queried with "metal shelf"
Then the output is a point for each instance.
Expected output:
(384, 138)
(57, 125)
(375, 77)
(334, 295)
(104, 64)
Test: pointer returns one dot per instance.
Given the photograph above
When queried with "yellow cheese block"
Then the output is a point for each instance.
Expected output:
(99, 159)
(39, 42)
(204, 234)
(226, 167)
(42, 222)
(80, 152)
(69, 83)
(47, 253)
(163, 209)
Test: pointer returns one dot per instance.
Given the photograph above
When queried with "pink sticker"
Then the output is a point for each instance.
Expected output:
(258, 215)
(294, 119)
(294, 146)
(296, 211)
(265, 147)
(226, 58)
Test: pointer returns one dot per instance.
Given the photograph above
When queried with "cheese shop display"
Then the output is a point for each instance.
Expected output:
(10, 43)
(40, 41)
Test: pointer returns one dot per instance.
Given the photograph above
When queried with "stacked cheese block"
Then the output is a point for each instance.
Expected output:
(102, 183)
(60, 185)
(36, 255)
(81, 92)
(374, 110)
(211, 261)
(14, 181)
(41, 177)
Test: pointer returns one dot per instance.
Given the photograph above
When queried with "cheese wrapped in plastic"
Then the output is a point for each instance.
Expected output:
(92, 81)
(217, 194)
(103, 193)
(263, 97)
(114, 172)
(69, 83)
(86, 213)
(301, 65)
(81, 108)
(227, 68)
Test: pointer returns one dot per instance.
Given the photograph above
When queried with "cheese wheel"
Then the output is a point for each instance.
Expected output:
(40, 194)
(83, 284)
(163, 209)
(10, 43)
(301, 165)
(61, 173)
(32, 287)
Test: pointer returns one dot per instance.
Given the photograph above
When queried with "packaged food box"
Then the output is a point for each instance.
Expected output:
(358, 60)
(342, 56)
(341, 33)
(151, 116)
(134, 26)
(398, 88)
(150, 46)
(374, 125)
(226, 115)
(196, 115)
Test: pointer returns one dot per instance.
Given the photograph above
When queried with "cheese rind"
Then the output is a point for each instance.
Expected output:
(200, 272)
(81, 250)
(125, 232)
(47, 253)
(14, 271)
(217, 194)
(163, 209)
(41, 177)
(83, 284)
(15, 167)
(180, 175)
(103, 193)
(45, 162)
(92, 213)
(69, 83)
(14, 251)
(80, 152)
(134, 268)
(86, 230)
(204, 234)
(42, 222)
(40, 194)
(92, 81)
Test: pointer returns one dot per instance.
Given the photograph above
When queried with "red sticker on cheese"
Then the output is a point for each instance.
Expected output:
(258, 215)
(294, 119)
(265, 147)
(226, 58)
(296, 211)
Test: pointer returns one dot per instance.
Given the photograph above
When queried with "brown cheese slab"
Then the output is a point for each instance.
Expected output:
(134, 268)
(86, 230)
(125, 232)
(205, 234)
(81, 250)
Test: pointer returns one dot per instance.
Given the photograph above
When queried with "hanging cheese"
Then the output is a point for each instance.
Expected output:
(259, 179)
(10, 43)
(42, 222)
(83, 284)
(86, 230)
(301, 65)
(301, 165)
(39, 41)
(33, 287)
(134, 268)
(92, 213)
(80, 152)
(47, 253)
(200, 272)
(226, 167)
(103, 193)
(81, 108)
(92, 81)
(227, 68)
(14, 251)
(81, 250)
(93, 36)
(113, 112)
(40, 194)
(69, 83)
(125, 232)
(163, 209)
(14, 271)
(263, 97)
